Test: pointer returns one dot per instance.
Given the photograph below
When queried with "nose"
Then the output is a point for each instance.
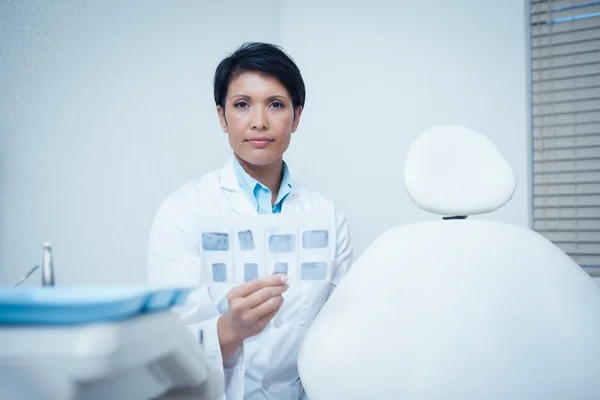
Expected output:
(260, 120)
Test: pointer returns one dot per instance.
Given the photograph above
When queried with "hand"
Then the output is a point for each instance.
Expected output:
(251, 306)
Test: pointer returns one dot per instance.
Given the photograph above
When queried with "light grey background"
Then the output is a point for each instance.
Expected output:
(106, 107)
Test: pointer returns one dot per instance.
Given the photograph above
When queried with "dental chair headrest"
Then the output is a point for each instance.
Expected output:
(451, 170)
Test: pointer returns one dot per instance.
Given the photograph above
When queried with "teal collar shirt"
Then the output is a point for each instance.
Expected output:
(259, 194)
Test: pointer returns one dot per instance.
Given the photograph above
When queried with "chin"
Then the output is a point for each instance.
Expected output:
(260, 160)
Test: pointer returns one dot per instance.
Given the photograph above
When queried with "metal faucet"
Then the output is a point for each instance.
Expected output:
(47, 266)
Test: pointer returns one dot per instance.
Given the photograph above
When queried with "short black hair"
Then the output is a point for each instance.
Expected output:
(265, 58)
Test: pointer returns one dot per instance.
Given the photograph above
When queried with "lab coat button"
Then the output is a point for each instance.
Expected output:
(265, 386)
(277, 324)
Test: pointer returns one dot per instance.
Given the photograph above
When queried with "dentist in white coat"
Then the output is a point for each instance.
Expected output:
(252, 332)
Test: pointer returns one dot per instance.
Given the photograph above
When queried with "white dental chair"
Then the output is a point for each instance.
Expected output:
(457, 308)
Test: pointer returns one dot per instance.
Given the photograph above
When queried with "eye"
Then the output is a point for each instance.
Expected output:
(277, 104)
(240, 104)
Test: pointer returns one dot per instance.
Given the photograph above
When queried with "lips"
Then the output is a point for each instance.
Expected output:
(260, 139)
(260, 142)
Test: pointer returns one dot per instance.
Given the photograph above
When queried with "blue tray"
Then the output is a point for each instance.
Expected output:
(79, 305)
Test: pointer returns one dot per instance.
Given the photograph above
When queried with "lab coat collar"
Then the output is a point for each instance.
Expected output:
(240, 202)
(228, 178)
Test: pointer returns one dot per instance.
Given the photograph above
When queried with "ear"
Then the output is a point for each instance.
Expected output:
(296, 121)
(222, 119)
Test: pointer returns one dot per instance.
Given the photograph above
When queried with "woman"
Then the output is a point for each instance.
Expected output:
(259, 93)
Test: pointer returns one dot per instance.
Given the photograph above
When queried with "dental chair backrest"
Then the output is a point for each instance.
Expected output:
(454, 171)
(457, 308)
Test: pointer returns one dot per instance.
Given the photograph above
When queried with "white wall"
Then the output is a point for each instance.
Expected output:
(380, 73)
(106, 107)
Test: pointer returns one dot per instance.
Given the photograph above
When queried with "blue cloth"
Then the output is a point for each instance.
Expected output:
(71, 305)
(259, 194)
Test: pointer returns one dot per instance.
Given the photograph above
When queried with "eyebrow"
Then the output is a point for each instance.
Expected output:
(277, 96)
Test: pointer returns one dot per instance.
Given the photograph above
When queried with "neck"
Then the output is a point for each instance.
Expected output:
(269, 175)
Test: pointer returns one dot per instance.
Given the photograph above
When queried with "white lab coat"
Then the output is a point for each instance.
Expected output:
(265, 366)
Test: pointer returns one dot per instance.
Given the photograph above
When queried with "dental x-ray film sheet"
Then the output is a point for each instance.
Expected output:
(236, 249)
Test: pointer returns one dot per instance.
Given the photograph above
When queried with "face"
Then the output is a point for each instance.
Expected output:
(259, 118)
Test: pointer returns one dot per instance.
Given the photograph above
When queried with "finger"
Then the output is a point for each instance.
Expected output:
(265, 311)
(241, 305)
(265, 294)
(265, 319)
(254, 285)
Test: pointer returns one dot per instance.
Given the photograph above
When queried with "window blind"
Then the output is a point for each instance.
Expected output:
(565, 66)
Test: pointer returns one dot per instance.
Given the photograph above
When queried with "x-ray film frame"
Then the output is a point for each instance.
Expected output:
(243, 256)
(262, 226)
(315, 258)
(211, 257)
